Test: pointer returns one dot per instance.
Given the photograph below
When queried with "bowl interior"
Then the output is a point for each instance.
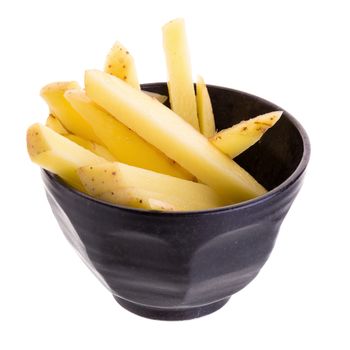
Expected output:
(279, 153)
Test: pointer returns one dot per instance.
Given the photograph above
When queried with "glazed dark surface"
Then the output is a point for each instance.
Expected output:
(185, 265)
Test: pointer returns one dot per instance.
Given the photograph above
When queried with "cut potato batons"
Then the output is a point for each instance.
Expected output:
(58, 154)
(204, 109)
(63, 157)
(121, 64)
(180, 83)
(161, 127)
(53, 123)
(235, 140)
(105, 181)
(53, 94)
(125, 145)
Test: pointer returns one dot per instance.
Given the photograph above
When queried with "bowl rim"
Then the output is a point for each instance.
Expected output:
(297, 173)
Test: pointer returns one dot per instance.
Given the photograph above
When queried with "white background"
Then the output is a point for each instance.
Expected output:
(293, 53)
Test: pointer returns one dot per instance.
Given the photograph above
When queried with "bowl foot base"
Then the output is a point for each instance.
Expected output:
(171, 314)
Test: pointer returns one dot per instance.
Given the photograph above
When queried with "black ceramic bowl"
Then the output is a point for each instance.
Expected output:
(176, 266)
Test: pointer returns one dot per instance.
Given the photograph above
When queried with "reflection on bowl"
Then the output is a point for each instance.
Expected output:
(176, 266)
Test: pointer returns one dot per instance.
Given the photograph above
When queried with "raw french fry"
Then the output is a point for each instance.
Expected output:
(106, 181)
(53, 123)
(53, 94)
(159, 97)
(235, 140)
(99, 150)
(122, 142)
(180, 84)
(156, 204)
(161, 127)
(135, 198)
(58, 154)
(121, 64)
(205, 109)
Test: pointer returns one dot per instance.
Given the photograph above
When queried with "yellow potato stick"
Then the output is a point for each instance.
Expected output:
(180, 83)
(126, 146)
(92, 146)
(53, 123)
(161, 127)
(205, 109)
(114, 182)
(235, 140)
(121, 64)
(133, 197)
(159, 97)
(159, 205)
(56, 153)
(53, 94)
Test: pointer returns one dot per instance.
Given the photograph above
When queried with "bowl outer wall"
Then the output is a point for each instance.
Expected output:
(189, 259)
